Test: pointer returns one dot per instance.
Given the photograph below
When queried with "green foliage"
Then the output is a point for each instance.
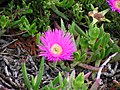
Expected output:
(34, 85)
(4, 21)
(24, 72)
(18, 16)
(11, 17)
(54, 8)
(68, 83)
(65, 3)
(39, 76)
(41, 13)
(93, 34)
(78, 83)
(77, 11)
(17, 11)
(25, 25)
(96, 41)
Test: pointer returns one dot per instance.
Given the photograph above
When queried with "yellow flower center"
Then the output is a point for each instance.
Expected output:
(117, 4)
(56, 49)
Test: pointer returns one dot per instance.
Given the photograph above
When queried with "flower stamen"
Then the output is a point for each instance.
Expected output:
(56, 49)
(117, 4)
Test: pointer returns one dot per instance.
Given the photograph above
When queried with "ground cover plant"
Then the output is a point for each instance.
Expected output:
(59, 44)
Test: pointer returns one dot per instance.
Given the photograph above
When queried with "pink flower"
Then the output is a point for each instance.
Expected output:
(57, 45)
(115, 5)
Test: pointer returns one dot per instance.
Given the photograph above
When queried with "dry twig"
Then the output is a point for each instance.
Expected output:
(15, 34)
(9, 43)
(102, 66)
